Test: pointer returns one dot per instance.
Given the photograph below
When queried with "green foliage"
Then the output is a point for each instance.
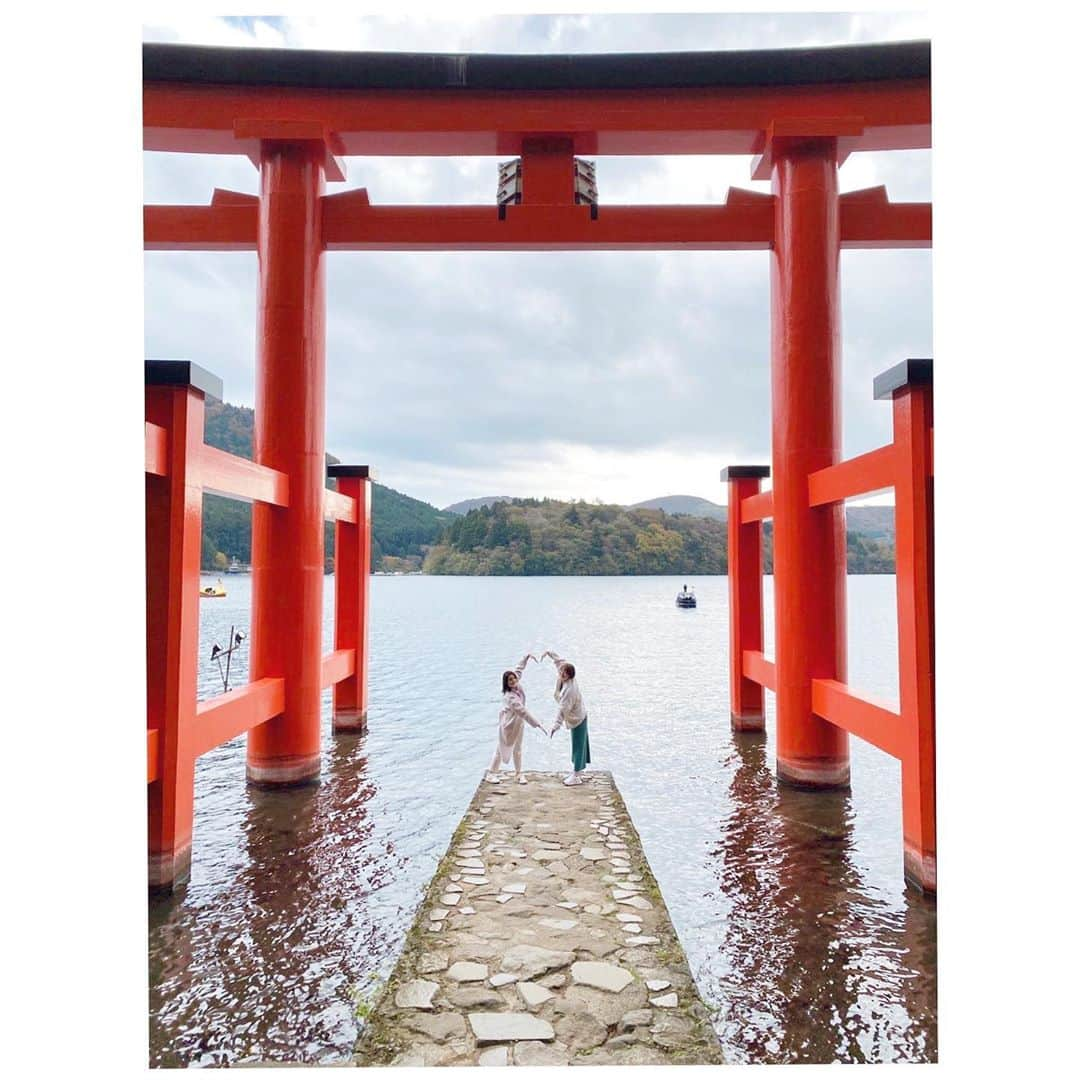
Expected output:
(402, 528)
(530, 536)
(521, 536)
(547, 537)
(865, 555)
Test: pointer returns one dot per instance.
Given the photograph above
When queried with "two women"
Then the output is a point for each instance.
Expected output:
(514, 716)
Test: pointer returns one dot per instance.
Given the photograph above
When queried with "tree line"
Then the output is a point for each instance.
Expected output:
(523, 536)
(402, 528)
(537, 537)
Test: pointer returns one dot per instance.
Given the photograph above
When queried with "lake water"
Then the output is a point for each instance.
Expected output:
(791, 906)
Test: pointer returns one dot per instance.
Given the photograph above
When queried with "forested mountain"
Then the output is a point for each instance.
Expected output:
(401, 527)
(500, 535)
(875, 522)
(530, 536)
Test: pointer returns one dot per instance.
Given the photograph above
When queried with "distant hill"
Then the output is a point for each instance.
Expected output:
(684, 504)
(402, 527)
(498, 534)
(875, 522)
(466, 505)
(551, 537)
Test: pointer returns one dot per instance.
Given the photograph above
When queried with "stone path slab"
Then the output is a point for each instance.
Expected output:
(510, 979)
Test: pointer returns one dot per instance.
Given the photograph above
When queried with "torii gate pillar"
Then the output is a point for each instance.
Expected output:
(290, 401)
(809, 545)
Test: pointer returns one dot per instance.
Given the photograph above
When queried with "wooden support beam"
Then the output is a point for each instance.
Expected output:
(153, 755)
(238, 478)
(756, 667)
(157, 449)
(869, 220)
(338, 665)
(223, 227)
(221, 718)
(874, 721)
(353, 224)
(757, 507)
(746, 623)
(338, 507)
(873, 471)
(450, 121)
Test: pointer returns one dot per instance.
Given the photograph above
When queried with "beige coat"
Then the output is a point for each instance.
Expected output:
(513, 717)
(571, 706)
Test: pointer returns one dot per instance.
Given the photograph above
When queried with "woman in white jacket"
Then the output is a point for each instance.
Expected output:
(571, 712)
(513, 716)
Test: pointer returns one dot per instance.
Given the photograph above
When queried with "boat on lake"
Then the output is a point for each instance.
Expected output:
(686, 598)
(212, 591)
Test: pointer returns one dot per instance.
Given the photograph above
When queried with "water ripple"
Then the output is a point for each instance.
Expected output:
(790, 905)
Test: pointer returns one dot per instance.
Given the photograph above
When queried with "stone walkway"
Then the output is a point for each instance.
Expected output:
(543, 940)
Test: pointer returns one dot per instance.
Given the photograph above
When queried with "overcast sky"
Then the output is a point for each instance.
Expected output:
(619, 376)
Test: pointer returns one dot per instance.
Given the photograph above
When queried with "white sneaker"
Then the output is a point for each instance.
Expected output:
(493, 778)
(521, 778)
(572, 780)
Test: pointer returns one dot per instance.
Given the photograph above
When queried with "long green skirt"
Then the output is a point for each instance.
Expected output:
(579, 745)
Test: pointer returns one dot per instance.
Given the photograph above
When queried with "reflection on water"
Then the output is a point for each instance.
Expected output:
(791, 905)
(819, 967)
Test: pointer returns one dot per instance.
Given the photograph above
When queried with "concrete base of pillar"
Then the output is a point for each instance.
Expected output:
(920, 870)
(285, 772)
(168, 869)
(352, 721)
(815, 775)
(748, 722)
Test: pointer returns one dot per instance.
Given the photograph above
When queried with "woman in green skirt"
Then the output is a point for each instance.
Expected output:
(571, 712)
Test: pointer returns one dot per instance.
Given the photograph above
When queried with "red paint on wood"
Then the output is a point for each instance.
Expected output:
(173, 546)
(859, 714)
(238, 478)
(869, 220)
(809, 557)
(762, 671)
(745, 620)
(225, 227)
(358, 226)
(860, 475)
(912, 427)
(338, 507)
(153, 756)
(219, 719)
(157, 449)
(757, 507)
(290, 392)
(338, 665)
(352, 582)
(187, 118)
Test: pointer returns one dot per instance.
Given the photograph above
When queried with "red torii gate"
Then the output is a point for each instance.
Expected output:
(297, 113)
